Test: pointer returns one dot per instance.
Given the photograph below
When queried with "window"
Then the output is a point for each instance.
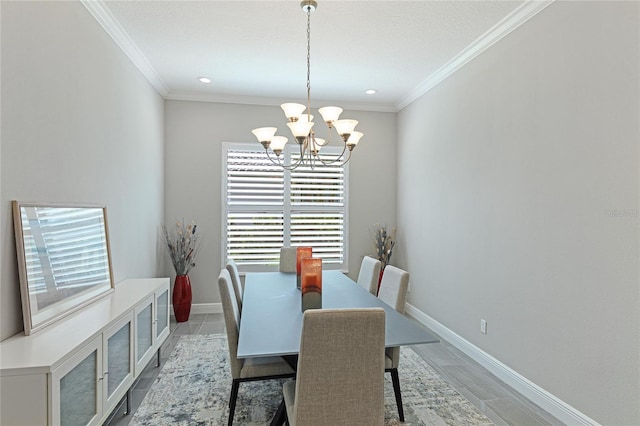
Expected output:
(265, 208)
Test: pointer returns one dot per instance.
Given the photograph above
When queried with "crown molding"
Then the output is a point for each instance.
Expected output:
(122, 39)
(519, 16)
(176, 95)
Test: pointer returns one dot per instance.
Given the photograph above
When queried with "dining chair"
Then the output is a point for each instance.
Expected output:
(244, 370)
(288, 256)
(238, 288)
(393, 292)
(369, 275)
(340, 374)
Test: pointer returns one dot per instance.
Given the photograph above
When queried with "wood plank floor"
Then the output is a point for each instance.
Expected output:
(502, 404)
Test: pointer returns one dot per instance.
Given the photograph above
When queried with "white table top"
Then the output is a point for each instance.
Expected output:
(271, 319)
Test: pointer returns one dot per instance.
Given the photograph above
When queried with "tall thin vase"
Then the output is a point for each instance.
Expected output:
(301, 253)
(182, 298)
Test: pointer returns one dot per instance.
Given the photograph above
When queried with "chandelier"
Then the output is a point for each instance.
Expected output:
(300, 122)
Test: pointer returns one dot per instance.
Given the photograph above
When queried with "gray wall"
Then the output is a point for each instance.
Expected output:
(79, 124)
(518, 197)
(194, 134)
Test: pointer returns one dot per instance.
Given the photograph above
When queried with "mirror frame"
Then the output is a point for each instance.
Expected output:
(35, 319)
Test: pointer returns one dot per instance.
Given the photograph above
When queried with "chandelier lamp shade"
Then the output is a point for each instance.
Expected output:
(300, 123)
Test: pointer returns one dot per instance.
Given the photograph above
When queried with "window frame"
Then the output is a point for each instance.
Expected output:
(286, 207)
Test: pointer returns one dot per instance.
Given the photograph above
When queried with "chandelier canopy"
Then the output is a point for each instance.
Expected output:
(300, 122)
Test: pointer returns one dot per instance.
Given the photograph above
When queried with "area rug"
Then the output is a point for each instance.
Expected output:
(194, 384)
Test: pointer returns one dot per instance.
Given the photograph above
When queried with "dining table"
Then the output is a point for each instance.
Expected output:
(271, 317)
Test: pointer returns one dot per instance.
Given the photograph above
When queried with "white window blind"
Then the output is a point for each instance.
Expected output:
(265, 208)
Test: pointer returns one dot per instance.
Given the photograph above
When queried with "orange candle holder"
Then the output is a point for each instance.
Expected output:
(301, 252)
(311, 272)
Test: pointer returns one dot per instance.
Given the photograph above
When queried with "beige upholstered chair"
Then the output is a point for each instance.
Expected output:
(288, 256)
(393, 292)
(369, 274)
(238, 288)
(244, 370)
(340, 378)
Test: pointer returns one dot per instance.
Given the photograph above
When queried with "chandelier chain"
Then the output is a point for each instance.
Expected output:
(309, 60)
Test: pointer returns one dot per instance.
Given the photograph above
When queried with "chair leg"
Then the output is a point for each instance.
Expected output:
(232, 400)
(396, 389)
(280, 418)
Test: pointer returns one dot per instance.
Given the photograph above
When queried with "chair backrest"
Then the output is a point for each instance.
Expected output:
(340, 376)
(231, 320)
(369, 274)
(288, 256)
(393, 287)
(238, 289)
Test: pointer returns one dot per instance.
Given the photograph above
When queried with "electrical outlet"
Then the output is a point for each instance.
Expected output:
(483, 326)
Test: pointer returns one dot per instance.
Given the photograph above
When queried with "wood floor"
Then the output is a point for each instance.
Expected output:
(499, 402)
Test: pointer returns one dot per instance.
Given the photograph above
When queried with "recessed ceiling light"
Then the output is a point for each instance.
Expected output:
(204, 79)
(370, 92)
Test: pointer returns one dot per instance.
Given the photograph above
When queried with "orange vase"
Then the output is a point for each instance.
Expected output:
(182, 298)
(311, 283)
(301, 253)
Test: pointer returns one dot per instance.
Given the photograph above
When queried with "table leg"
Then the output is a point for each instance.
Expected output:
(292, 360)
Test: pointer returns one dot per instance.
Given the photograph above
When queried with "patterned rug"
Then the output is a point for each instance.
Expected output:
(194, 384)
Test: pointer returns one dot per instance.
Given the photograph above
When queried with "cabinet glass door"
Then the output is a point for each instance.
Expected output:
(118, 361)
(119, 350)
(77, 390)
(144, 331)
(163, 313)
(78, 393)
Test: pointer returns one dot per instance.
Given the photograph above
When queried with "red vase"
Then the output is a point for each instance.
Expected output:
(182, 298)
(380, 280)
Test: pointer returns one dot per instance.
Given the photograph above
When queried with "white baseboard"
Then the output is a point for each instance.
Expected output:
(204, 308)
(548, 402)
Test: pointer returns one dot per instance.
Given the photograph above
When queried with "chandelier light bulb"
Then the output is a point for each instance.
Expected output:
(264, 135)
(293, 111)
(330, 114)
(306, 117)
(300, 130)
(345, 127)
(320, 141)
(316, 144)
(353, 140)
(278, 143)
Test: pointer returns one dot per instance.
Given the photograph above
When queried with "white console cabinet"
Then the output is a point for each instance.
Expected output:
(75, 371)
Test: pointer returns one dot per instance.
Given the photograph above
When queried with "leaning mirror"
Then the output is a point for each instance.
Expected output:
(63, 259)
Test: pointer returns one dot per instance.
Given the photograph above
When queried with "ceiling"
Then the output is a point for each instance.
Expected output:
(255, 51)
